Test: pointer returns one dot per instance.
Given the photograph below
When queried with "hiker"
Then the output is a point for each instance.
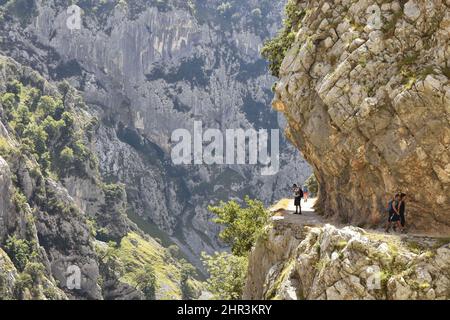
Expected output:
(298, 195)
(305, 193)
(394, 216)
(401, 210)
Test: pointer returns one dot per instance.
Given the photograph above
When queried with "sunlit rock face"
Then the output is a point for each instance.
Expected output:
(148, 68)
(366, 91)
(324, 262)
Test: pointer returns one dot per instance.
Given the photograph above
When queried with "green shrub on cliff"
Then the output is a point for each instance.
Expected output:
(22, 118)
(243, 225)
(52, 127)
(29, 284)
(242, 228)
(48, 128)
(47, 106)
(146, 281)
(19, 250)
(14, 87)
(189, 289)
(227, 275)
(8, 101)
(67, 155)
(5, 147)
(275, 49)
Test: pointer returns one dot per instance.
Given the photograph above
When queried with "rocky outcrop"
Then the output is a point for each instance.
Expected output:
(6, 205)
(34, 280)
(8, 275)
(365, 87)
(328, 263)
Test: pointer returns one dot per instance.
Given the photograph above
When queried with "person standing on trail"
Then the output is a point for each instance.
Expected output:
(394, 216)
(401, 210)
(298, 195)
(305, 193)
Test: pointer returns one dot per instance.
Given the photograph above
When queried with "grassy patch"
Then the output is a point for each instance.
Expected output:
(136, 253)
(415, 247)
(341, 245)
(321, 264)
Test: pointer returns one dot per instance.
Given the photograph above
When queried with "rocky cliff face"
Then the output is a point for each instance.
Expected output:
(365, 87)
(327, 263)
(59, 219)
(146, 68)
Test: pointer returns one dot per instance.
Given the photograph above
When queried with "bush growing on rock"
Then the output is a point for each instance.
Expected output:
(67, 155)
(52, 127)
(9, 101)
(22, 118)
(19, 250)
(29, 283)
(188, 289)
(227, 275)
(146, 281)
(5, 147)
(47, 106)
(243, 225)
(274, 50)
(14, 87)
(225, 9)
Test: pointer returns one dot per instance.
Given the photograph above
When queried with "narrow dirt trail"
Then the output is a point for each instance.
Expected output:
(284, 212)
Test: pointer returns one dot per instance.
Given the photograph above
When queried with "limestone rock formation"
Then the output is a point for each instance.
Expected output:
(146, 68)
(328, 263)
(365, 87)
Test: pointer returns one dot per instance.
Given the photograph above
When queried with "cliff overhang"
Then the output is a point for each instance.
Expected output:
(365, 88)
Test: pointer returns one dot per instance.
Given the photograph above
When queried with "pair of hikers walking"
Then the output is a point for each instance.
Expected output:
(298, 195)
(396, 210)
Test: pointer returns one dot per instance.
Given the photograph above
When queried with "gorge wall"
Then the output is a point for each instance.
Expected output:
(54, 244)
(146, 68)
(365, 88)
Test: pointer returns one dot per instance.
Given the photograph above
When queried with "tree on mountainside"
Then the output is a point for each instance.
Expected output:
(275, 49)
(243, 225)
(146, 282)
(227, 275)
